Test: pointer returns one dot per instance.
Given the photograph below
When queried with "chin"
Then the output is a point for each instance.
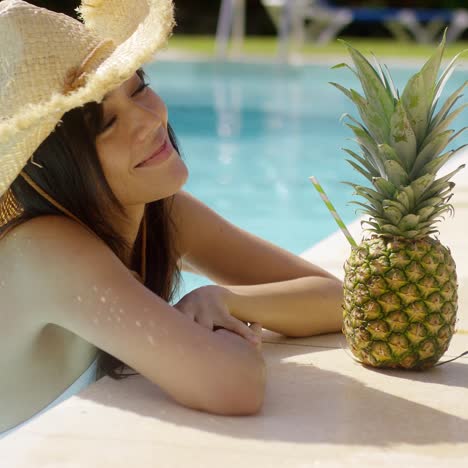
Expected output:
(179, 173)
(178, 177)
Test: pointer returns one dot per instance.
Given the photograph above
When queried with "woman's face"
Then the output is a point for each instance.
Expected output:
(134, 128)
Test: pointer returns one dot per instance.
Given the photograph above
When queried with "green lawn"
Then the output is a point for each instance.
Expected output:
(267, 46)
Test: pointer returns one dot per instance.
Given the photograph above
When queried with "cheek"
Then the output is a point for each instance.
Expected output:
(159, 106)
(108, 156)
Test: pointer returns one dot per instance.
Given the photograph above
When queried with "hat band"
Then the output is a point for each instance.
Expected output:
(9, 208)
(76, 77)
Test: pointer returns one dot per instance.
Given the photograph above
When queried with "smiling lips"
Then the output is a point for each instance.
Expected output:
(159, 154)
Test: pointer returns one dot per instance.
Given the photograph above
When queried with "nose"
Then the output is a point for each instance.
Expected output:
(147, 120)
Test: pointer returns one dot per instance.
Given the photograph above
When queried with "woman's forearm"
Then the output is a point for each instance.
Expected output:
(297, 308)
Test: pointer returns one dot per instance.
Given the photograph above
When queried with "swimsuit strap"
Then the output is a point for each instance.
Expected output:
(52, 201)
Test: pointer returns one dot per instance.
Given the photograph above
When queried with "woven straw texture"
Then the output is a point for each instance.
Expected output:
(40, 48)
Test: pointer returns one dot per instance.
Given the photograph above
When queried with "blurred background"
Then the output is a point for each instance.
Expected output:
(201, 17)
(247, 86)
(299, 29)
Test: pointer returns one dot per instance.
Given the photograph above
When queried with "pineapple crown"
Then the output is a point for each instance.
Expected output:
(401, 139)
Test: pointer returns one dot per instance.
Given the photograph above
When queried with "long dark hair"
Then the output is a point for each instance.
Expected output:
(73, 177)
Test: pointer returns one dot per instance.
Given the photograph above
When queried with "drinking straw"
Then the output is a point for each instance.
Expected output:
(333, 211)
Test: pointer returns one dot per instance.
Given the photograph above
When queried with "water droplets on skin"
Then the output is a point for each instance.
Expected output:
(102, 299)
(150, 339)
(138, 323)
(79, 298)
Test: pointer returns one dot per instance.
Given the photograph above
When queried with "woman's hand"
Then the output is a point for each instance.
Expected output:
(207, 306)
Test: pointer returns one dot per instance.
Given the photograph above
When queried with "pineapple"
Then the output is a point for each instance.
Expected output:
(400, 287)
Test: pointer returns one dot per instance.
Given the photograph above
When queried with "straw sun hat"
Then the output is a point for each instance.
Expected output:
(51, 63)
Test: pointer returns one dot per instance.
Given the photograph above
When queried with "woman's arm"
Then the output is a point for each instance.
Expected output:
(297, 308)
(83, 287)
(268, 284)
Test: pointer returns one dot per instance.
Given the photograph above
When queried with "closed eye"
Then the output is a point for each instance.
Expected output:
(111, 122)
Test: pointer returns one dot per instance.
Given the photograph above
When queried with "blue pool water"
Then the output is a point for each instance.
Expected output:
(251, 135)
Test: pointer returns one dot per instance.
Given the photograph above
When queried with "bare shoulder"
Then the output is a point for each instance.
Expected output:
(51, 253)
(183, 214)
(46, 231)
(188, 212)
(78, 283)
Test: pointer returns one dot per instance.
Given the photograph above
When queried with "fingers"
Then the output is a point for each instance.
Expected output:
(218, 316)
(257, 329)
(244, 330)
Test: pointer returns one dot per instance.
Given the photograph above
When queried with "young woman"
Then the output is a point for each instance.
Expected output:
(95, 228)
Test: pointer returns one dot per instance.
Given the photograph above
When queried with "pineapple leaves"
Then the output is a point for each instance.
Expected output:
(388, 82)
(409, 222)
(402, 145)
(433, 166)
(395, 173)
(417, 105)
(390, 229)
(392, 214)
(343, 65)
(445, 109)
(367, 209)
(387, 152)
(425, 212)
(345, 91)
(396, 204)
(419, 185)
(419, 92)
(365, 163)
(374, 89)
(367, 193)
(405, 200)
(402, 137)
(368, 145)
(431, 151)
(374, 226)
(362, 171)
(443, 124)
(384, 186)
(441, 184)
(444, 78)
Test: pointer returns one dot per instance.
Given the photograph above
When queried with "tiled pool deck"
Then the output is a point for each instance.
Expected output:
(322, 409)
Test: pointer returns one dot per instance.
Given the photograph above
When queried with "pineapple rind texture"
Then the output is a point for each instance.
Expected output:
(400, 302)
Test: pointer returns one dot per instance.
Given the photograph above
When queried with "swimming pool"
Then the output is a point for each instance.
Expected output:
(252, 134)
